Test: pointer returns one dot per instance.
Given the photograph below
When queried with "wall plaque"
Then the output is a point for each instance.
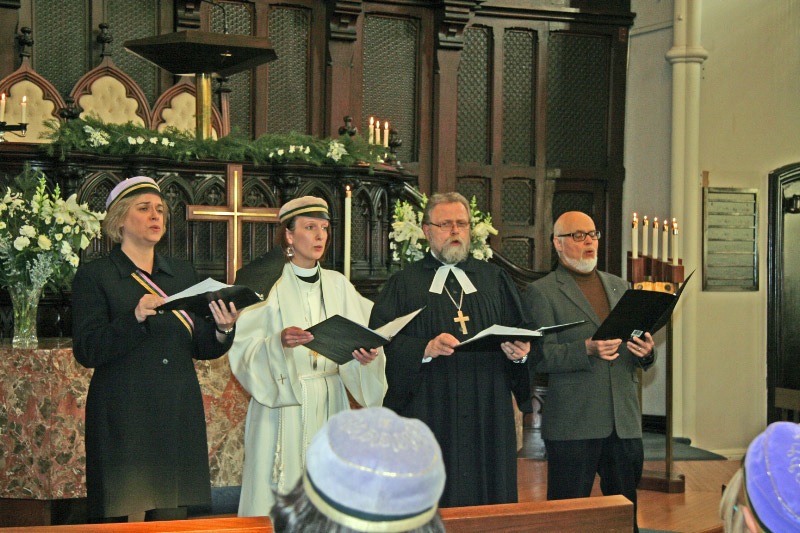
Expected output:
(730, 245)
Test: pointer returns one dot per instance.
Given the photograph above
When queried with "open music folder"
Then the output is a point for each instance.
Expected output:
(197, 297)
(337, 337)
(490, 338)
(637, 312)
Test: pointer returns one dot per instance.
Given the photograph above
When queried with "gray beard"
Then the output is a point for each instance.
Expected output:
(584, 266)
(451, 255)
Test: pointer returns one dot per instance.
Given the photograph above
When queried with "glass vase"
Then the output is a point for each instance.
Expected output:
(25, 301)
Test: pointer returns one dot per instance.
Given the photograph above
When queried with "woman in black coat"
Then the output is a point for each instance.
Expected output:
(146, 449)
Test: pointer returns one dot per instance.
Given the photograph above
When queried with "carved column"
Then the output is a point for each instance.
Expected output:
(9, 22)
(342, 82)
(451, 19)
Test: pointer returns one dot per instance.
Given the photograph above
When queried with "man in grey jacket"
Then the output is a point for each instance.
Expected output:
(591, 421)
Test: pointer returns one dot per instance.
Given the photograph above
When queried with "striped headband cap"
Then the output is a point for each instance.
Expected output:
(372, 470)
(131, 187)
(772, 477)
(309, 206)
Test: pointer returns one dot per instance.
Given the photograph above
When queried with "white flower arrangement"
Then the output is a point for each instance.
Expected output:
(407, 240)
(41, 233)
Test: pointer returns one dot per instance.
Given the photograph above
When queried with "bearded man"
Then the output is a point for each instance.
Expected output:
(591, 420)
(464, 397)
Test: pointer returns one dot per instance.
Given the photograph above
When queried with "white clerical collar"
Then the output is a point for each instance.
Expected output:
(441, 276)
(304, 272)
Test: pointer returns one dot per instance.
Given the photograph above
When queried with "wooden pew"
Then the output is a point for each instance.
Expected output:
(230, 524)
(610, 514)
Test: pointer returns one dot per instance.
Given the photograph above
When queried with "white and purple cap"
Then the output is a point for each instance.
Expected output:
(772, 477)
(372, 470)
(131, 187)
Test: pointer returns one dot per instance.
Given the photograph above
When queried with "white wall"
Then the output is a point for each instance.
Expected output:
(647, 147)
(749, 125)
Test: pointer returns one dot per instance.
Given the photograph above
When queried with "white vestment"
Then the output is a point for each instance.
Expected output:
(291, 399)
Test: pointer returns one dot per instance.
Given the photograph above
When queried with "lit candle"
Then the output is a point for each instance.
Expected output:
(348, 205)
(635, 237)
(24, 105)
(674, 242)
(386, 134)
(3, 107)
(655, 238)
(645, 234)
(665, 244)
(371, 130)
(378, 132)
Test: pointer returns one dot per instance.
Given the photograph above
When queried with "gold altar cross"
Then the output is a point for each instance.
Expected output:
(235, 215)
(462, 318)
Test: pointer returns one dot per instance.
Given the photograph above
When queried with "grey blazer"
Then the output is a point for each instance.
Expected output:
(587, 397)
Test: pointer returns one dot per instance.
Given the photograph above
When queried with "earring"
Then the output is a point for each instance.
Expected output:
(289, 251)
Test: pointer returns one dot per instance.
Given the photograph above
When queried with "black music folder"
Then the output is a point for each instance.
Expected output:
(196, 298)
(489, 339)
(337, 337)
(637, 312)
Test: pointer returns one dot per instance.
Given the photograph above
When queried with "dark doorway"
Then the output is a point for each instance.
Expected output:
(783, 283)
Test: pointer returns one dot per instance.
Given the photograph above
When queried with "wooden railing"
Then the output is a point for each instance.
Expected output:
(610, 513)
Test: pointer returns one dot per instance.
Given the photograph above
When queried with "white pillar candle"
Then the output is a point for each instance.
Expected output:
(24, 105)
(645, 235)
(378, 132)
(371, 130)
(3, 107)
(386, 134)
(655, 238)
(674, 242)
(635, 237)
(665, 244)
(348, 203)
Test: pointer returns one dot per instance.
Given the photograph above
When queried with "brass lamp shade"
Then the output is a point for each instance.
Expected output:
(204, 55)
(193, 51)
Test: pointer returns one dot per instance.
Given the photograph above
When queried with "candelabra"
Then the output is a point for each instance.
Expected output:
(649, 273)
(4, 127)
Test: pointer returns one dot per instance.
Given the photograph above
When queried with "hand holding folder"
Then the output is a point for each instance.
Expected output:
(492, 337)
(196, 298)
(337, 337)
(637, 312)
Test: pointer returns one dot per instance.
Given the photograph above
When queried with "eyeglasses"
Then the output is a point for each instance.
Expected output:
(450, 226)
(580, 236)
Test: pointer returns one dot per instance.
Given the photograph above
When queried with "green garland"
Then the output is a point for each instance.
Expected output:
(91, 135)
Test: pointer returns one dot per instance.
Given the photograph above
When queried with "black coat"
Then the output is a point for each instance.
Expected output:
(464, 398)
(145, 426)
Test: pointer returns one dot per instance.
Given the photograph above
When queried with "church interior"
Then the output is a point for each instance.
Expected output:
(619, 109)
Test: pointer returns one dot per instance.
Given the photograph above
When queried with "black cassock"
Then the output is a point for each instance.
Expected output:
(465, 398)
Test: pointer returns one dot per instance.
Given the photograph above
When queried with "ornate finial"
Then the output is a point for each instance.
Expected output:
(25, 42)
(395, 142)
(70, 111)
(104, 38)
(348, 127)
(221, 87)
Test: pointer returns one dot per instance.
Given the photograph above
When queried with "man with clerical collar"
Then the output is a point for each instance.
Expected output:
(591, 420)
(463, 396)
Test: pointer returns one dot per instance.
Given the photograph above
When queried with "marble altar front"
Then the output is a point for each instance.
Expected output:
(42, 399)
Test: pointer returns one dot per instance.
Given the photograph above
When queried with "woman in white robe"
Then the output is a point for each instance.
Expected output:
(295, 390)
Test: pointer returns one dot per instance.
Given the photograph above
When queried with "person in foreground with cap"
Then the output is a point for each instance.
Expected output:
(764, 494)
(146, 451)
(366, 470)
(295, 389)
(464, 396)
